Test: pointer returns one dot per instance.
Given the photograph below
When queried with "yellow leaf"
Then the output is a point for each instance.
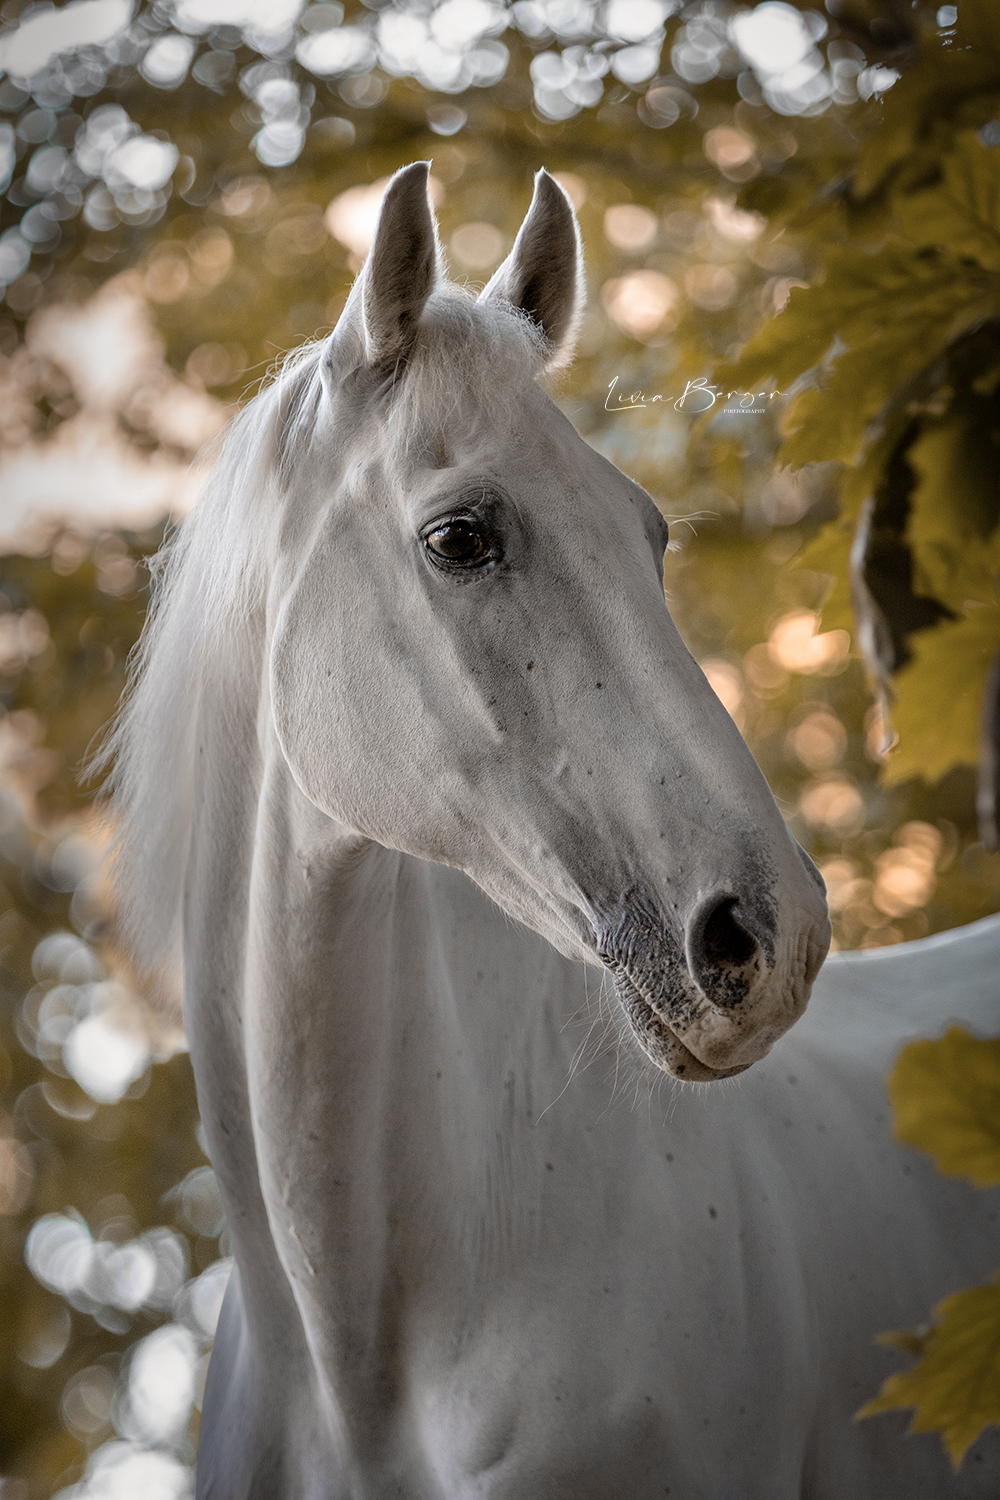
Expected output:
(946, 1101)
(829, 552)
(962, 212)
(955, 508)
(910, 1340)
(938, 696)
(955, 1387)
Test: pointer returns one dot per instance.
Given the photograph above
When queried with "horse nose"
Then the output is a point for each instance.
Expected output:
(727, 946)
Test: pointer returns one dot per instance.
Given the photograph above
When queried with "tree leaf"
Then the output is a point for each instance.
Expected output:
(938, 696)
(955, 508)
(955, 1387)
(946, 1101)
(961, 213)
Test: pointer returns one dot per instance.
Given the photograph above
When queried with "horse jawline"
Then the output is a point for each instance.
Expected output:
(660, 1043)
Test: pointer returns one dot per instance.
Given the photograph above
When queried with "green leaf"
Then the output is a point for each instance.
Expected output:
(955, 1387)
(828, 552)
(962, 212)
(938, 696)
(955, 510)
(946, 1101)
(854, 341)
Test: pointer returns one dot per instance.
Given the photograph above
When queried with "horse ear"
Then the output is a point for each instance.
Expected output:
(543, 274)
(398, 276)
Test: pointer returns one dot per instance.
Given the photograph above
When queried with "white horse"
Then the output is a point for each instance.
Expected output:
(414, 749)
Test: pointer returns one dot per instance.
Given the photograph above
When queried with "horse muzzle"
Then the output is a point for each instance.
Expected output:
(710, 1002)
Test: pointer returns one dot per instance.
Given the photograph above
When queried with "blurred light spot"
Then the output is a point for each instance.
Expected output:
(767, 676)
(15, 253)
(334, 131)
(22, 636)
(640, 302)
(710, 287)
(148, 1271)
(265, 16)
(123, 1471)
(145, 162)
(445, 119)
(477, 246)
(346, 49)
(31, 46)
(876, 81)
(166, 62)
(104, 1059)
(698, 48)
(247, 195)
(67, 958)
(202, 1299)
(49, 1342)
(728, 147)
(772, 37)
(17, 1175)
(86, 1401)
(734, 223)
(633, 65)
(8, 155)
(833, 802)
(843, 885)
(795, 645)
(201, 1205)
(819, 742)
(322, 17)
(726, 681)
(947, 15)
(59, 1251)
(566, 82)
(161, 1385)
(575, 188)
(459, 24)
(105, 346)
(215, 364)
(352, 216)
(905, 875)
(778, 41)
(47, 168)
(629, 226)
(783, 289)
(635, 20)
(211, 252)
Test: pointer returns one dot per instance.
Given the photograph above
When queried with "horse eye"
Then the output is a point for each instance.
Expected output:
(456, 541)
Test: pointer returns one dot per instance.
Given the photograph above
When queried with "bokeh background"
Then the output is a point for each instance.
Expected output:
(190, 187)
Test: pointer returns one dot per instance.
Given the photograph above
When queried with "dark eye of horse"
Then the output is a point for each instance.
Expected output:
(457, 541)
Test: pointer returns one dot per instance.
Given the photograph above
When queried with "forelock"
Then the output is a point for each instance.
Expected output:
(469, 367)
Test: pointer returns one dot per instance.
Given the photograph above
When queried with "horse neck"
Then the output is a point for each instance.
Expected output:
(373, 1038)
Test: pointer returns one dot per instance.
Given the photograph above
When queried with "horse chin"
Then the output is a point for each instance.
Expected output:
(660, 1043)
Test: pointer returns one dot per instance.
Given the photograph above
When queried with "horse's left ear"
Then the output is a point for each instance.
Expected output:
(399, 274)
(543, 274)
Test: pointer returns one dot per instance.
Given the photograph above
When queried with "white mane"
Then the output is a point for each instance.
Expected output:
(210, 581)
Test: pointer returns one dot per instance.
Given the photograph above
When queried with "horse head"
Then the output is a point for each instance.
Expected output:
(471, 658)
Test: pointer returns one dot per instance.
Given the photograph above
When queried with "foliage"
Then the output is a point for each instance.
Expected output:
(946, 1100)
(955, 1387)
(892, 363)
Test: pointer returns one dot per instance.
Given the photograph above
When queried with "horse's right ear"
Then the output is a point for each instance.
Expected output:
(543, 274)
(378, 326)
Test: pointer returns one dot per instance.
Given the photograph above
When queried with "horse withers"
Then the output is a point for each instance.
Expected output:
(417, 775)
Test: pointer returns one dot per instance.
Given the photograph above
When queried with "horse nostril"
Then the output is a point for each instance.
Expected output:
(720, 952)
(723, 940)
